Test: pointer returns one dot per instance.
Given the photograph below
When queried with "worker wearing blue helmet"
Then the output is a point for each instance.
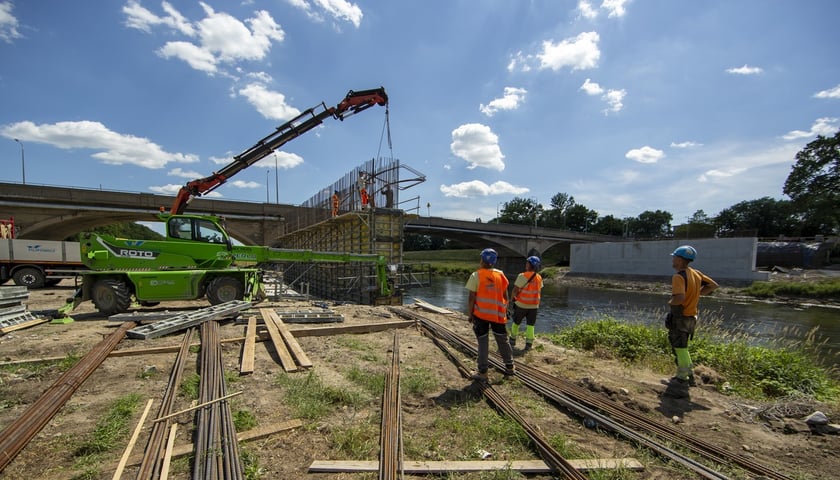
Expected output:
(687, 284)
(526, 301)
(486, 308)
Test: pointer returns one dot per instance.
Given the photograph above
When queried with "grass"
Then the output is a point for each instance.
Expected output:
(110, 432)
(752, 371)
(823, 289)
(311, 398)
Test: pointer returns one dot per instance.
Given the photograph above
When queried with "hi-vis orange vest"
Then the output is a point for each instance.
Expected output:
(489, 297)
(530, 293)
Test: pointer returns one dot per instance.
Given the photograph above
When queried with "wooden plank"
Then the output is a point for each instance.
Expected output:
(22, 325)
(286, 360)
(420, 467)
(246, 364)
(342, 329)
(253, 434)
(293, 345)
(167, 456)
(432, 308)
(132, 441)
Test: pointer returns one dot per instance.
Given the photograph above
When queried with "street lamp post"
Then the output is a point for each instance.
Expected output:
(22, 162)
(266, 185)
(276, 181)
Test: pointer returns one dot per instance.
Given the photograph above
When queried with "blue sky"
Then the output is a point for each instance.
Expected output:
(627, 105)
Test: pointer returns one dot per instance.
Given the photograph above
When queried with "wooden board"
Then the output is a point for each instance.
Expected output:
(22, 325)
(432, 308)
(286, 359)
(246, 364)
(293, 345)
(342, 329)
(438, 467)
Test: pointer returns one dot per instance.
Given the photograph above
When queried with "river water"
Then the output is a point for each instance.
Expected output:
(758, 322)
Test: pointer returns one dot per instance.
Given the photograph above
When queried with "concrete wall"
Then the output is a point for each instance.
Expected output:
(728, 260)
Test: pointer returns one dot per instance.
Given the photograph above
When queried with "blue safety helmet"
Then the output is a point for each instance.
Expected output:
(686, 251)
(489, 256)
(534, 261)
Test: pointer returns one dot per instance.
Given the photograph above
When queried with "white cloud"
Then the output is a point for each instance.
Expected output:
(745, 70)
(825, 126)
(613, 98)
(477, 188)
(178, 172)
(172, 189)
(221, 38)
(8, 23)
(478, 145)
(512, 99)
(614, 7)
(687, 144)
(645, 154)
(337, 9)
(115, 148)
(270, 104)
(585, 9)
(285, 160)
(721, 173)
(520, 61)
(577, 53)
(244, 184)
(830, 93)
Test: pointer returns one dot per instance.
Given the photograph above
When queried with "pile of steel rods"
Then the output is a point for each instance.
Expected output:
(18, 434)
(390, 438)
(608, 414)
(153, 455)
(216, 447)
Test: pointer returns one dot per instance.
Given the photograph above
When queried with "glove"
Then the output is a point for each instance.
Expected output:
(668, 320)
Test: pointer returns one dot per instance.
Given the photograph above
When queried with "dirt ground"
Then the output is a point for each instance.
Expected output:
(705, 414)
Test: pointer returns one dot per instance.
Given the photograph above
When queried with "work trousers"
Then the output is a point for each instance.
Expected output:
(482, 329)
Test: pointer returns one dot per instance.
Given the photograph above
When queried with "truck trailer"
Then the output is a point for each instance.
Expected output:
(38, 263)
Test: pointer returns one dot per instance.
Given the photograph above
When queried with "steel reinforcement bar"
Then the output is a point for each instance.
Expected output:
(18, 434)
(608, 414)
(390, 438)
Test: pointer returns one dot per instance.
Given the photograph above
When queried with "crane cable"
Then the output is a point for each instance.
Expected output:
(386, 132)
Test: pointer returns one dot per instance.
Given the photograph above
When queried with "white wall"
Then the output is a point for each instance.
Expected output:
(723, 259)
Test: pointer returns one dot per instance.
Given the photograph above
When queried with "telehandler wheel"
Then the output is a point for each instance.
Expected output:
(110, 296)
(29, 277)
(224, 289)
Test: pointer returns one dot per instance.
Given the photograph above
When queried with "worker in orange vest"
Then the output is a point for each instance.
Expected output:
(526, 301)
(335, 202)
(487, 307)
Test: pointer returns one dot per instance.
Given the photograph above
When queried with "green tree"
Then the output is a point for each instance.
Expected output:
(609, 225)
(521, 211)
(648, 224)
(814, 185)
(123, 230)
(555, 217)
(698, 226)
(580, 219)
(765, 217)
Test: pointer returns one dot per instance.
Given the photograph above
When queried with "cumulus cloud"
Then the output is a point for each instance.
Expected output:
(285, 160)
(830, 93)
(478, 145)
(686, 144)
(244, 184)
(586, 10)
(8, 23)
(578, 53)
(218, 38)
(720, 173)
(337, 9)
(826, 126)
(114, 148)
(745, 70)
(178, 172)
(511, 100)
(615, 8)
(613, 98)
(477, 188)
(270, 104)
(645, 154)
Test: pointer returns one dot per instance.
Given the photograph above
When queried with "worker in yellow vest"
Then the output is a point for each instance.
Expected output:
(487, 308)
(526, 301)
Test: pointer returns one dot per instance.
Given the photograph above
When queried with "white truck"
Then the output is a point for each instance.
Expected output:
(38, 263)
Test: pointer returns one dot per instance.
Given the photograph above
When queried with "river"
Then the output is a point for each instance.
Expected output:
(757, 322)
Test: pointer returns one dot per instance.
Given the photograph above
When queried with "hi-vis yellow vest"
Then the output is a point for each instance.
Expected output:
(489, 297)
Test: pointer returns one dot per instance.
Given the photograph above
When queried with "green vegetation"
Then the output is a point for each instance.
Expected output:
(124, 230)
(311, 399)
(752, 371)
(824, 289)
(189, 386)
(244, 420)
(110, 432)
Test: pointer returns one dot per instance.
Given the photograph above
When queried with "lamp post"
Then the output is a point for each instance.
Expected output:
(266, 185)
(22, 162)
(276, 181)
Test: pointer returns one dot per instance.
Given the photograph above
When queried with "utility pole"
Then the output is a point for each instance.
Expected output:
(266, 185)
(276, 181)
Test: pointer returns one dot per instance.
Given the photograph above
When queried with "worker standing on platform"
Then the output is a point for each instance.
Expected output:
(487, 307)
(526, 301)
(335, 203)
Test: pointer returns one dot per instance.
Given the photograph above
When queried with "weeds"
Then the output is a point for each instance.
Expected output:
(828, 289)
(244, 420)
(418, 381)
(110, 432)
(752, 371)
(310, 398)
(189, 386)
